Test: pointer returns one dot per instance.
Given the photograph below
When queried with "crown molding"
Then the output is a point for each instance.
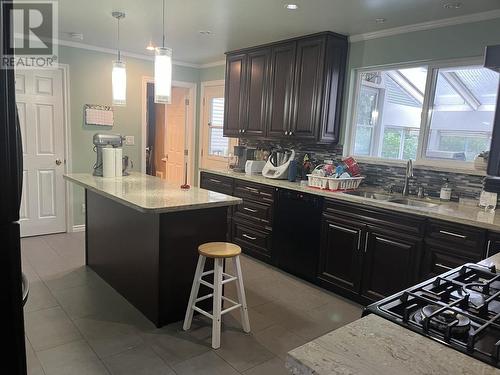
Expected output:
(475, 17)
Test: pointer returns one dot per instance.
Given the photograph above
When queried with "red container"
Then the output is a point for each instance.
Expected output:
(352, 166)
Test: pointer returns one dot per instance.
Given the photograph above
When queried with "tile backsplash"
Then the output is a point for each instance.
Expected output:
(378, 175)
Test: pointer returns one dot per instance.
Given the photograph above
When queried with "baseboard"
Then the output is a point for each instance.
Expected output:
(79, 228)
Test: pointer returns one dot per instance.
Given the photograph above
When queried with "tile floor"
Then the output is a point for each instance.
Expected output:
(77, 324)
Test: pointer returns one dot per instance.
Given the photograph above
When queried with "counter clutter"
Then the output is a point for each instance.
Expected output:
(448, 211)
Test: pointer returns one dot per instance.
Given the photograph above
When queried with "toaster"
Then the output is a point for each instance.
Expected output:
(254, 166)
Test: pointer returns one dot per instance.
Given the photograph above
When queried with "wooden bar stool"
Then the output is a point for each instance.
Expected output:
(218, 251)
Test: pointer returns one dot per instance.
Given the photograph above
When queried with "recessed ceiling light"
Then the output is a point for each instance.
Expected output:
(291, 6)
(77, 36)
(380, 20)
(453, 5)
(205, 32)
(151, 46)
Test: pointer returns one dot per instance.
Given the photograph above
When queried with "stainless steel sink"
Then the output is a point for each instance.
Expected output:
(371, 195)
(413, 202)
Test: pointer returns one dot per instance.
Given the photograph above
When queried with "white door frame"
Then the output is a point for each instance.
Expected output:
(191, 121)
(203, 85)
(68, 166)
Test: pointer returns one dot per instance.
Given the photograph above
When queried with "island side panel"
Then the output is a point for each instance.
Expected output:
(180, 235)
(122, 248)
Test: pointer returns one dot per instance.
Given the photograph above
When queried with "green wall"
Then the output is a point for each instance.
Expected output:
(90, 83)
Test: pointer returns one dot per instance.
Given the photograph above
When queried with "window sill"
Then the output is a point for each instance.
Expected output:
(431, 166)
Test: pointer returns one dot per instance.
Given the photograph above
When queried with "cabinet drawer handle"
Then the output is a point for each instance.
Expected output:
(388, 241)
(443, 266)
(366, 241)
(253, 190)
(266, 194)
(452, 234)
(488, 249)
(214, 180)
(249, 237)
(249, 209)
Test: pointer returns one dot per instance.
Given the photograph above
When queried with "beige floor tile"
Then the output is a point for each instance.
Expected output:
(108, 338)
(138, 361)
(45, 261)
(242, 350)
(73, 358)
(79, 276)
(174, 345)
(32, 361)
(275, 366)
(49, 328)
(278, 340)
(39, 297)
(205, 364)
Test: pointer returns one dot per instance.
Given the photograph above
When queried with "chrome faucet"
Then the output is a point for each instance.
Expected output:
(408, 175)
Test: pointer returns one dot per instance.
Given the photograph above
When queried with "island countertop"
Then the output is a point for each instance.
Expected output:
(151, 194)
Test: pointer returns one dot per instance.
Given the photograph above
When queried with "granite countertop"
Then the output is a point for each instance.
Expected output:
(151, 194)
(450, 211)
(375, 346)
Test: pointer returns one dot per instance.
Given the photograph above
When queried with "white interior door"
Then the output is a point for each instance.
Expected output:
(39, 96)
(175, 137)
(215, 148)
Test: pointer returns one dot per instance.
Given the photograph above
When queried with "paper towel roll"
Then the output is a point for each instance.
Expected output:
(108, 162)
(118, 161)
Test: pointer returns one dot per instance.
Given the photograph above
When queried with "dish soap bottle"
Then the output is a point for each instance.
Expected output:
(445, 194)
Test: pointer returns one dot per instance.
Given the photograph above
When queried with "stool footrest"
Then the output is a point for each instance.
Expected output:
(235, 305)
(206, 283)
(203, 312)
(231, 278)
(204, 297)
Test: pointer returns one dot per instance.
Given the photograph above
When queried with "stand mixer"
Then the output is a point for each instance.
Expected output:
(100, 141)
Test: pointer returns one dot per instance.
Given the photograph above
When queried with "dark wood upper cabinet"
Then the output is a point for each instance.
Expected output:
(280, 89)
(287, 90)
(234, 94)
(255, 100)
(308, 87)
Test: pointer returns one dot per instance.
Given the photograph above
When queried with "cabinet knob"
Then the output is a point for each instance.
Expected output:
(286, 133)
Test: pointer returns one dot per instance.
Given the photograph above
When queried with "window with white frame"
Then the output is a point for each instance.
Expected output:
(218, 145)
(459, 107)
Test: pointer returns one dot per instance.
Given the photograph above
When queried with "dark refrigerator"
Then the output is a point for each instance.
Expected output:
(13, 359)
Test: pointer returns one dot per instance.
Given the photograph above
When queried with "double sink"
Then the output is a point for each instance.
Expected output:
(394, 198)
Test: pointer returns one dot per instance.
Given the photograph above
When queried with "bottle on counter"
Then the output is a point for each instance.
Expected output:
(445, 194)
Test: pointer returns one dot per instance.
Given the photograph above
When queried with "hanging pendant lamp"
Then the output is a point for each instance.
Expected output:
(119, 73)
(163, 70)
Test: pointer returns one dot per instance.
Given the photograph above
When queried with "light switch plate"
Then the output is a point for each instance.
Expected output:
(129, 140)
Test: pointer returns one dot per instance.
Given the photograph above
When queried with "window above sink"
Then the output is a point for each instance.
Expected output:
(438, 114)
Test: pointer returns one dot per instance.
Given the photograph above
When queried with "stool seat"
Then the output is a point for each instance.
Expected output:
(219, 250)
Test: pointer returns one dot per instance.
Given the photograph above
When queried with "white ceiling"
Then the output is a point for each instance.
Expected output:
(241, 23)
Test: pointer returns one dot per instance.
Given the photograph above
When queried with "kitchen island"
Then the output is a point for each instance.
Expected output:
(142, 235)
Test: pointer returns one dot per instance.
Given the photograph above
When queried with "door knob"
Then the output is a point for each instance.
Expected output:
(58, 161)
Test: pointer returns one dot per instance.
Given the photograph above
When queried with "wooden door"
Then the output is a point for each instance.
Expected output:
(308, 88)
(254, 122)
(39, 96)
(390, 263)
(176, 117)
(235, 90)
(340, 253)
(215, 148)
(281, 88)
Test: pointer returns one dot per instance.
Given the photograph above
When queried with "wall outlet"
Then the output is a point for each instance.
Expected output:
(129, 140)
(83, 208)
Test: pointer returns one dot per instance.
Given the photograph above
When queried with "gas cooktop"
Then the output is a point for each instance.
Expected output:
(460, 308)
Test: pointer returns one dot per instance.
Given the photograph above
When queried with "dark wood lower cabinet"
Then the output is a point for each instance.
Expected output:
(253, 240)
(339, 259)
(439, 259)
(390, 263)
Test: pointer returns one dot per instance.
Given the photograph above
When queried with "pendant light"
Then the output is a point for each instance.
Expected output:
(119, 73)
(163, 70)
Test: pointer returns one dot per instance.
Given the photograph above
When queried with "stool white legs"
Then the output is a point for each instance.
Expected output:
(220, 278)
(194, 292)
(245, 322)
(217, 302)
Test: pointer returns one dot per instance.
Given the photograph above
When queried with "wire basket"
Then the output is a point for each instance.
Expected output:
(332, 184)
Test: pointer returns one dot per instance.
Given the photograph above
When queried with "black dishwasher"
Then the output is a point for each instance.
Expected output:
(296, 234)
